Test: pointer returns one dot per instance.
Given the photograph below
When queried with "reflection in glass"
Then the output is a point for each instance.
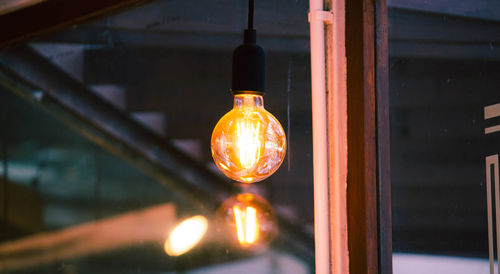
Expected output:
(72, 171)
(443, 79)
(133, 229)
(186, 235)
(246, 224)
(249, 219)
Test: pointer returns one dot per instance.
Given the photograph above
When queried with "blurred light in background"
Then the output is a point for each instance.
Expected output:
(186, 235)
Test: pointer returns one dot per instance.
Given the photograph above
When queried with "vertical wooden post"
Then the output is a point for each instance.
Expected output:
(362, 192)
(358, 130)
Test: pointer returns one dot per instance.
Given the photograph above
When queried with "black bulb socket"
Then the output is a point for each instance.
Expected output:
(249, 67)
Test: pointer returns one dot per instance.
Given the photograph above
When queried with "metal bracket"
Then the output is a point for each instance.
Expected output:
(322, 15)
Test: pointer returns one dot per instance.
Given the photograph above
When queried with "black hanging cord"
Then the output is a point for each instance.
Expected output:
(250, 35)
(250, 14)
(249, 62)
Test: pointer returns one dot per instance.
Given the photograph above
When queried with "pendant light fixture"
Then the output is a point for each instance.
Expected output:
(248, 143)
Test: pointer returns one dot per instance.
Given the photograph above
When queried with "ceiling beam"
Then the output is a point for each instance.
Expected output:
(8, 6)
(50, 15)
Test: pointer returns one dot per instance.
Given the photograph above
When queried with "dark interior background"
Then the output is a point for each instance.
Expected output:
(444, 69)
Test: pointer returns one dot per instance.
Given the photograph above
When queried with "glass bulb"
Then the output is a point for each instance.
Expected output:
(249, 220)
(248, 143)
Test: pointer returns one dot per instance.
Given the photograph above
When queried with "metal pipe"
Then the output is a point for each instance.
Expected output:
(337, 98)
(320, 140)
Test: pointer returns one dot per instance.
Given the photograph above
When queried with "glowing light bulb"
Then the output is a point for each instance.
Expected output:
(186, 235)
(248, 143)
(250, 219)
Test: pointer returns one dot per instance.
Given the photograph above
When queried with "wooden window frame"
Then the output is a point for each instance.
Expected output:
(368, 128)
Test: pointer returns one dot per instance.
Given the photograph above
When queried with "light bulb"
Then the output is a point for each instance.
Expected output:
(186, 235)
(248, 143)
(249, 220)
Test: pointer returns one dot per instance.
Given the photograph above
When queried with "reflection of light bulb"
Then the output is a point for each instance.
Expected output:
(248, 143)
(250, 219)
(246, 224)
(186, 235)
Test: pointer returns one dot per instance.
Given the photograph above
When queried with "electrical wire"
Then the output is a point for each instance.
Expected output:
(250, 14)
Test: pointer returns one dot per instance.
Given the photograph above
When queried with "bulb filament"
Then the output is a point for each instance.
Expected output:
(246, 225)
(248, 143)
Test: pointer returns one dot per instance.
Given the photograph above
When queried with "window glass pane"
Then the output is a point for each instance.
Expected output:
(444, 98)
(105, 145)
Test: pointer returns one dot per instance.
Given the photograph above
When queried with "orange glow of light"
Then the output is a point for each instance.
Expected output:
(186, 235)
(248, 142)
(247, 227)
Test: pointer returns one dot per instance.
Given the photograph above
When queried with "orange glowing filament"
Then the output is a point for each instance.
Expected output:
(246, 225)
(248, 143)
